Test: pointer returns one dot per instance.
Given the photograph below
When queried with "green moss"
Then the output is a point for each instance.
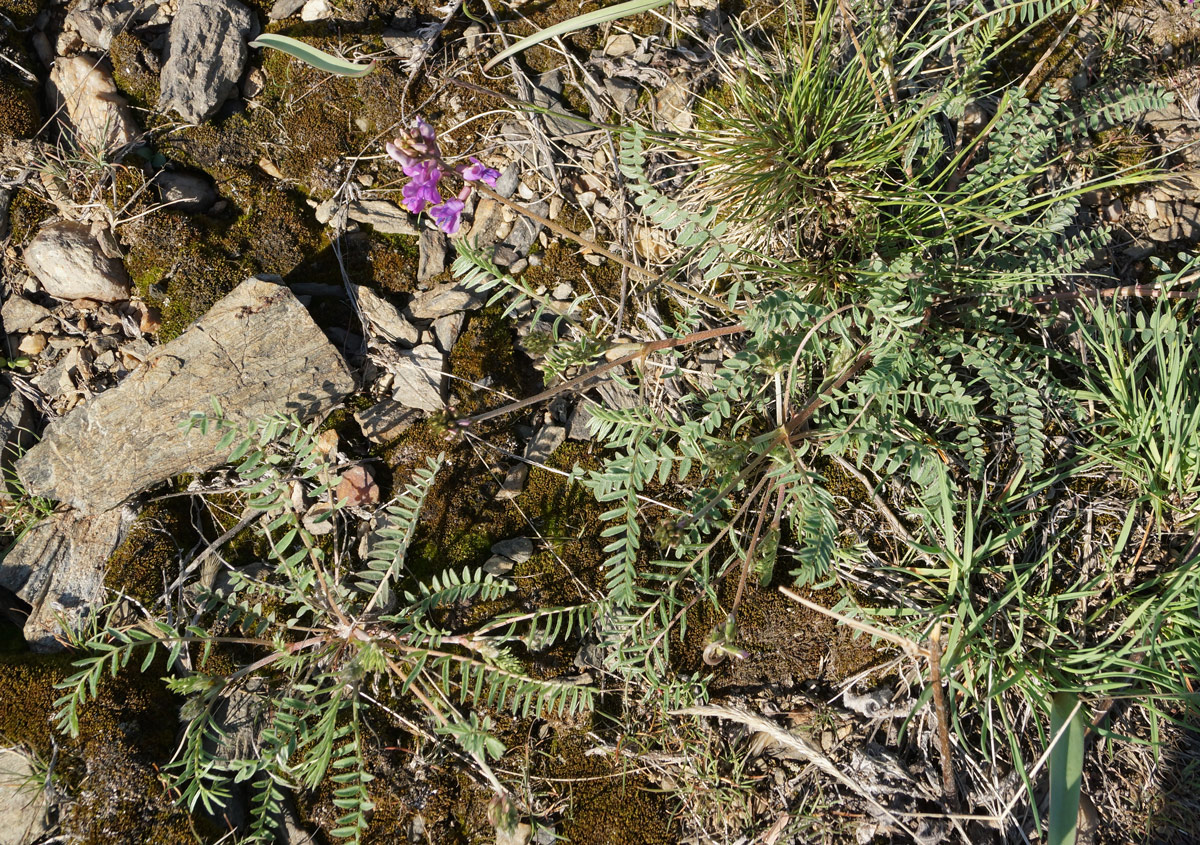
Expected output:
(133, 74)
(22, 12)
(150, 552)
(19, 113)
(26, 213)
(204, 259)
(607, 806)
(111, 770)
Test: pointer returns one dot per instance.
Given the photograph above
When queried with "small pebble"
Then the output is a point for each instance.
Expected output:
(33, 344)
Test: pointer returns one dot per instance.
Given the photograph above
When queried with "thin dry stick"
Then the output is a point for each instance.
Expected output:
(1123, 291)
(949, 790)
(581, 380)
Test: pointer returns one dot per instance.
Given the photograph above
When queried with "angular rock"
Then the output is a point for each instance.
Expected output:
(285, 9)
(16, 429)
(97, 21)
(257, 351)
(542, 446)
(498, 566)
(206, 53)
(382, 216)
(547, 94)
(21, 315)
(187, 193)
(57, 568)
(517, 549)
(357, 487)
(98, 114)
(315, 10)
(384, 318)
(406, 45)
(385, 421)
(70, 264)
(418, 378)
(442, 300)
(23, 804)
(620, 45)
(431, 254)
(446, 329)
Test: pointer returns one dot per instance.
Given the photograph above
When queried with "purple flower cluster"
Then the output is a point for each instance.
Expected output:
(420, 157)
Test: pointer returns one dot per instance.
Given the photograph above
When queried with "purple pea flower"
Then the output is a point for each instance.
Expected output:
(448, 215)
(477, 171)
(419, 194)
(417, 152)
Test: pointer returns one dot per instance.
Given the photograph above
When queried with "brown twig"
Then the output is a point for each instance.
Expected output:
(581, 380)
(1118, 292)
(949, 789)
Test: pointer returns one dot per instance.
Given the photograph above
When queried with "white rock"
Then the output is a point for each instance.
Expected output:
(97, 111)
(315, 10)
(70, 264)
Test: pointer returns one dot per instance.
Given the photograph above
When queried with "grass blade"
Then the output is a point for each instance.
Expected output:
(1065, 768)
(621, 10)
(311, 55)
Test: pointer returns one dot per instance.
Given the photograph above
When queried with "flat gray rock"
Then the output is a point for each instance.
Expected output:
(382, 216)
(446, 329)
(70, 264)
(442, 300)
(384, 318)
(257, 351)
(418, 378)
(386, 420)
(58, 567)
(431, 254)
(97, 21)
(284, 9)
(186, 193)
(517, 549)
(21, 315)
(205, 56)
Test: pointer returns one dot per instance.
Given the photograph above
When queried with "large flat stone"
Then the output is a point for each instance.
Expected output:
(257, 351)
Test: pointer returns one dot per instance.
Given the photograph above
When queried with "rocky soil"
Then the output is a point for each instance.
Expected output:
(187, 218)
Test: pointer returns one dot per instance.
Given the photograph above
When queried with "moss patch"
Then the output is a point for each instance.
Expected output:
(22, 12)
(150, 552)
(126, 734)
(26, 213)
(19, 113)
(608, 807)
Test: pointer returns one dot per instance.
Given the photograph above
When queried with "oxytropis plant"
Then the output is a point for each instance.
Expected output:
(420, 157)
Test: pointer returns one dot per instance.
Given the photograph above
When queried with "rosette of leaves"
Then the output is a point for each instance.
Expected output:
(326, 634)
